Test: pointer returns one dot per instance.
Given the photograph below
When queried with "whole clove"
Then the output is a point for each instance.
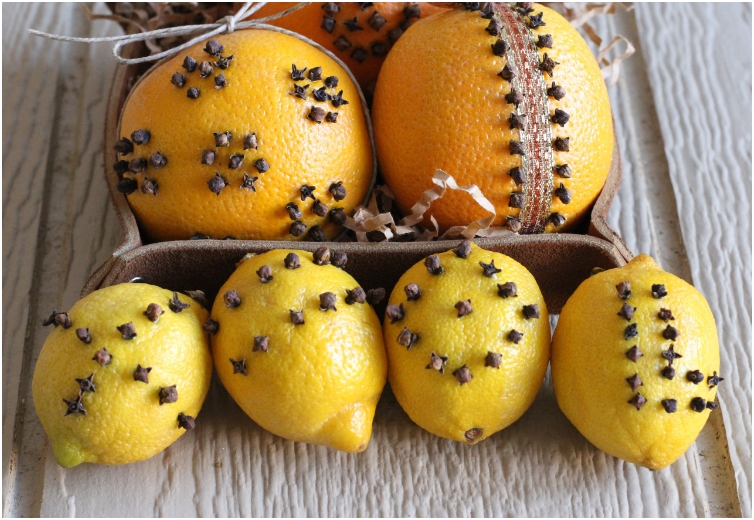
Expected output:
(560, 117)
(102, 357)
(638, 400)
(712, 405)
(394, 34)
(627, 311)
(319, 209)
(547, 65)
(328, 24)
(631, 331)
(499, 48)
(695, 376)
(514, 98)
(437, 362)
(248, 182)
(463, 307)
(327, 301)
(563, 171)
(316, 234)
(531, 311)
(217, 183)
(293, 211)
(464, 249)
(149, 187)
(407, 338)
(634, 382)
(516, 148)
(177, 305)
(432, 263)
(714, 380)
(213, 48)
(331, 117)
(668, 372)
(516, 121)
(544, 40)
(120, 168)
(127, 330)
(321, 256)
(342, 43)
(222, 138)
(535, 20)
(193, 93)
(659, 291)
(58, 318)
(516, 200)
(308, 191)
(332, 81)
(339, 260)
(395, 313)
(670, 405)
(297, 228)
(337, 190)
(338, 216)
(556, 91)
(508, 72)
(261, 344)
(208, 157)
(75, 406)
(515, 336)
(698, 404)
(265, 273)
(337, 100)
(634, 353)
(353, 25)
(376, 295)
(141, 374)
(357, 295)
(556, 219)
(206, 70)
(320, 94)
(671, 354)
(157, 160)
(493, 360)
(670, 333)
(137, 165)
(239, 366)
(83, 335)
(517, 175)
(220, 81)
(140, 137)
(513, 224)
(507, 290)
(210, 326)
(376, 21)
(299, 91)
(186, 421)
(292, 261)
(87, 385)
(231, 298)
(359, 54)
(168, 395)
(189, 64)
(665, 315)
(297, 317)
(463, 375)
(153, 312)
(178, 79)
(562, 144)
(489, 270)
(250, 142)
(624, 290)
(412, 291)
(494, 27)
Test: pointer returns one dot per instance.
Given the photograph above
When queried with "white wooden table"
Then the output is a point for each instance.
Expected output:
(683, 113)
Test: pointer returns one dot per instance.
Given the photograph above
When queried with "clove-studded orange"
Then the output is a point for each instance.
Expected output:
(468, 341)
(299, 347)
(507, 98)
(359, 33)
(122, 375)
(635, 362)
(252, 135)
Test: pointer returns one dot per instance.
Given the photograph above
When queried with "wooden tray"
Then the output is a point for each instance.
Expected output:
(559, 262)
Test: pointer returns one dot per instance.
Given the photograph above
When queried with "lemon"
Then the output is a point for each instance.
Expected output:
(468, 341)
(299, 348)
(123, 374)
(635, 362)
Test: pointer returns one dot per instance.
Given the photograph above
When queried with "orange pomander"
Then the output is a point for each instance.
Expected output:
(227, 139)
(360, 34)
(508, 98)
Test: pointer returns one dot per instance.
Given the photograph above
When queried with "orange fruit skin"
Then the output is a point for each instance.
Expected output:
(450, 113)
(308, 22)
(256, 99)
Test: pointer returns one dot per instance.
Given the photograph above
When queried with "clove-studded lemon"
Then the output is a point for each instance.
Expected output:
(299, 347)
(252, 135)
(468, 341)
(122, 375)
(508, 98)
(635, 362)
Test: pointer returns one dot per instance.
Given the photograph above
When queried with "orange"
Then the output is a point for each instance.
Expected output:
(296, 151)
(468, 355)
(635, 368)
(363, 50)
(440, 103)
(320, 372)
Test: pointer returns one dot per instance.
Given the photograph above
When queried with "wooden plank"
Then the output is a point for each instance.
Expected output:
(75, 229)
(700, 75)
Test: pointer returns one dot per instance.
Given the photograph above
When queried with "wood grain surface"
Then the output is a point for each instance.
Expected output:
(684, 199)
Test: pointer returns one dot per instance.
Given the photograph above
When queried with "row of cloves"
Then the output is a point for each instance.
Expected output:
(214, 49)
(336, 215)
(317, 114)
